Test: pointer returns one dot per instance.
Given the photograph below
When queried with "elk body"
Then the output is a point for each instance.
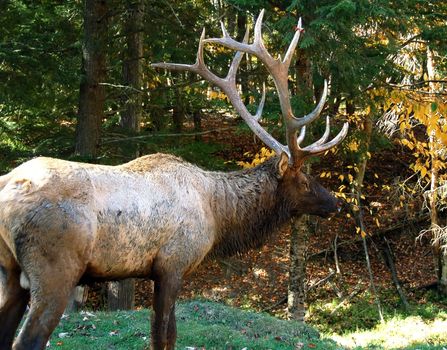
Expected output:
(63, 223)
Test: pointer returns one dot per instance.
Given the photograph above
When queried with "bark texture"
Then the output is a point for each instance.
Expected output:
(92, 93)
(132, 66)
(299, 240)
(121, 295)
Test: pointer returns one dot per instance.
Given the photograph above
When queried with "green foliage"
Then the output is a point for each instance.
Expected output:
(40, 56)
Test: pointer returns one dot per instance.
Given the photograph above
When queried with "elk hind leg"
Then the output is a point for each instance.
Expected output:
(13, 302)
(163, 330)
(50, 292)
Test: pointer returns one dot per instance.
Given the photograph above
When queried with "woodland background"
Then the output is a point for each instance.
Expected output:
(76, 83)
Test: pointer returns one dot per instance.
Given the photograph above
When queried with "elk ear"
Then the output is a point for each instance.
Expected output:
(283, 164)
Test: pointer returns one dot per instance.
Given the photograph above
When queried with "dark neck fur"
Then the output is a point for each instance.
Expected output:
(248, 209)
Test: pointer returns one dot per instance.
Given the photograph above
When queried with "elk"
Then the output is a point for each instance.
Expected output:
(64, 223)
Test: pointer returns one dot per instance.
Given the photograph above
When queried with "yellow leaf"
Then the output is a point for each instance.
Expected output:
(423, 171)
(377, 222)
(353, 146)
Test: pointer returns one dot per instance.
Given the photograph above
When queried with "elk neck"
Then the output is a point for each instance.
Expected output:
(248, 208)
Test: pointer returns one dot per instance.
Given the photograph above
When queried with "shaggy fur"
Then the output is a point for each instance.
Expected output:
(158, 216)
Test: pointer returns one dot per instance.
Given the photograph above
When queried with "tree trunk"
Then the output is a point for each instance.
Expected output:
(244, 68)
(178, 112)
(132, 66)
(121, 295)
(304, 79)
(357, 187)
(197, 119)
(296, 296)
(300, 228)
(92, 93)
(440, 254)
(388, 257)
(77, 299)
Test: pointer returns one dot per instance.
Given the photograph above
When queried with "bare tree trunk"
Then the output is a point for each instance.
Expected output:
(197, 119)
(357, 189)
(92, 93)
(121, 295)
(178, 112)
(304, 81)
(300, 228)
(440, 254)
(296, 296)
(77, 299)
(244, 68)
(388, 256)
(132, 66)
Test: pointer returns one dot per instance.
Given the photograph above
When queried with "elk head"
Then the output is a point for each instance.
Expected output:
(303, 193)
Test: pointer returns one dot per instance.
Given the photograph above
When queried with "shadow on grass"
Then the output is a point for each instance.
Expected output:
(356, 325)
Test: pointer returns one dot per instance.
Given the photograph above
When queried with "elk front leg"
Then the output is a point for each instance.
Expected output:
(164, 331)
(13, 301)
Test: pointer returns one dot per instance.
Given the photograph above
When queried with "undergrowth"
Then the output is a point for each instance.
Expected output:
(356, 324)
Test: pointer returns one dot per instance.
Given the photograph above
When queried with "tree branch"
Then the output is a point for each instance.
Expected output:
(142, 137)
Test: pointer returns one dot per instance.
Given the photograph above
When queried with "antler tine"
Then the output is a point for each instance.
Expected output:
(237, 57)
(258, 43)
(290, 51)
(224, 30)
(196, 67)
(257, 48)
(296, 123)
(318, 148)
(200, 61)
(302, 135)
(258, 114)
(325, 135)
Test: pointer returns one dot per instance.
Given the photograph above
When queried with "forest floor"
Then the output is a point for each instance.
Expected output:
(258, 280)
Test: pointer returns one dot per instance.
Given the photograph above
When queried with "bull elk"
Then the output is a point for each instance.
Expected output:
(64, 223)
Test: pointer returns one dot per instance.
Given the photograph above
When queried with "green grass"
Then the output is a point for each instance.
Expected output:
(209, 325)
(411, 332)
(356, 325)
(201, 324)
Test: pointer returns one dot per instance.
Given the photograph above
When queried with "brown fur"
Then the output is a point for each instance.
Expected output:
(157, 216)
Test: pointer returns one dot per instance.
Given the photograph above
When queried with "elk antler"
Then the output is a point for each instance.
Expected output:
(279, 71)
